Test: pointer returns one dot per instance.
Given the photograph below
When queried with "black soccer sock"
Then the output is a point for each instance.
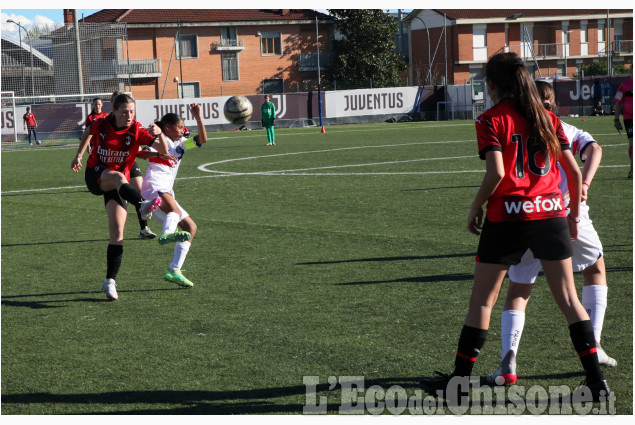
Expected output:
(470, 343)
(113, 260)
(130, 194)
(142, 222)
(584, 342)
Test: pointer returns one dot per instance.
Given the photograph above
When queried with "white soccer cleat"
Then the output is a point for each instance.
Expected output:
(110, 288)
(506, 374)
(604, 358)
(147, 207)
(146, 233)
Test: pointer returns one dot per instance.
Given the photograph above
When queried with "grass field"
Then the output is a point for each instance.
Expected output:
(329, 255)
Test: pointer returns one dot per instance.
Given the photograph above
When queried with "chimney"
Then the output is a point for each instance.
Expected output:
(68, 16)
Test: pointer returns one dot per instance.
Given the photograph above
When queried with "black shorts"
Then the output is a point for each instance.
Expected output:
(506, 242)
(135, 171)
(91, 176)
(628, 126)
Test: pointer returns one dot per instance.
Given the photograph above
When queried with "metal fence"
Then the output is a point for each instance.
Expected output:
(67, 60)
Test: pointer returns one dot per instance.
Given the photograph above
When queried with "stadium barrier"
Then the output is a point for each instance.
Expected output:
(62, 123)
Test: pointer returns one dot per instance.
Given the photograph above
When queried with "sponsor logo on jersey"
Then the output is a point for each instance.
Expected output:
(539, 205)
(109, 156)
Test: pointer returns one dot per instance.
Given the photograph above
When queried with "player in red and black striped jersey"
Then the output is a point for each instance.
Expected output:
(96, 113)
(520, 142)
(136, 177)
(502, 128)
(118, 139)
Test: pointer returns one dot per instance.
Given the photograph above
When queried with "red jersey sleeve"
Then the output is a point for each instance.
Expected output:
(560, 134)
(487, 136)
(143, 135)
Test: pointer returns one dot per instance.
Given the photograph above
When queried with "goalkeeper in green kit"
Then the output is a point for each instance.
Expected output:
(268, 120)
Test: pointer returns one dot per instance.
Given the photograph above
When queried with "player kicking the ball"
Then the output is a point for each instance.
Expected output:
(587, 258)
(159, 181)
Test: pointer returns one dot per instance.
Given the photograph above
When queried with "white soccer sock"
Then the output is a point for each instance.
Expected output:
(170, 222)
(512, 324)
(180, 252)
(594, 302)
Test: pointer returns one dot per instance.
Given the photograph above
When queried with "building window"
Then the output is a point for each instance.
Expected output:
(479, 38)
(618, 34)
(228, 36)
(188, 45)
(189, 90)
(270, 43)
(601, 39)
(272, 85)
(584, 38)
(230, 66)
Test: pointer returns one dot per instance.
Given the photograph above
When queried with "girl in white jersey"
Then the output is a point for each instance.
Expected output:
(159, 181)
(587, 258)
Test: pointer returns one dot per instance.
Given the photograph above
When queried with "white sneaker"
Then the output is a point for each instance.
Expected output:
(506, 374)
(148, 206)
(604, 358)
(110, 288)
(146, 233)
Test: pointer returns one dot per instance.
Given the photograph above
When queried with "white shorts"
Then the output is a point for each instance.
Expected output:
(149, 192)
(587, 249)
(159, 215)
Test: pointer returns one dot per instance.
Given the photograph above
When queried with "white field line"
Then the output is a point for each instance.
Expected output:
(281, 134)
(204, 166)
(295, 172)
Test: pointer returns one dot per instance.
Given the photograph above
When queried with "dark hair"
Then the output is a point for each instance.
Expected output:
(120, 100)
(507, 72)
(170, 118)
(548, 95)
(92, 111)
(114, 95)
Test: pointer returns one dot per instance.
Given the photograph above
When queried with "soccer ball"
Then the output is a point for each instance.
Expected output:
(238, 110)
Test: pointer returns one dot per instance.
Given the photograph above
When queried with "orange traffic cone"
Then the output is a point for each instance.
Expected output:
(323, 131)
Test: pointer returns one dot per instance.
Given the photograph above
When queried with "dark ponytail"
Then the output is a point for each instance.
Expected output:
(507, 72)
(548, 96)
(170, 118)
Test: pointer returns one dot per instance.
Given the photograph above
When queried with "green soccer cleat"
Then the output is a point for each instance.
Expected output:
(175, 276)
(174, 237)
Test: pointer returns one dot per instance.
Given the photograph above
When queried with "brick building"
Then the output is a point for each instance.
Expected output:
(212, 52)
(559, 40)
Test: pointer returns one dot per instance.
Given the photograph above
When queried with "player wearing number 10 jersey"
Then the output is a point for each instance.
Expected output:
(520, 143)
(520, 195)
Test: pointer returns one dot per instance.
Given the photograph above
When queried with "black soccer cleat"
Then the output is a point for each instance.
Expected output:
(436, 385)
(454, 389)
(600, 391)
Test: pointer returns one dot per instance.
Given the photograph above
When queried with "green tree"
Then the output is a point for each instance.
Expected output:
(366, 56)
(600, 68)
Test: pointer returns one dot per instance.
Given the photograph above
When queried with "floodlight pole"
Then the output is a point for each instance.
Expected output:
(429, 76)
(80, 74)
(21, 62)
(317, 46)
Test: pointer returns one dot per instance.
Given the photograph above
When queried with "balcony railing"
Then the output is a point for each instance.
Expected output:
(228, 45)
(308, 61)
(622, 47)
(136, 68)
(562, 50)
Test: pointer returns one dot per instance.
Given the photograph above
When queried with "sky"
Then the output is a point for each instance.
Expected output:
(29, 17)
